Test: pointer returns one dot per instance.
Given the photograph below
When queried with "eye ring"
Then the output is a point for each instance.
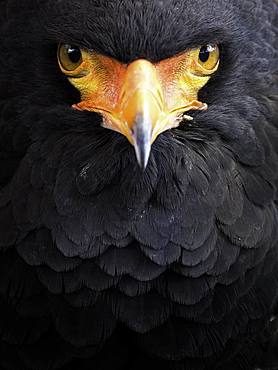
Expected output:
(209, 56)
(69, 57)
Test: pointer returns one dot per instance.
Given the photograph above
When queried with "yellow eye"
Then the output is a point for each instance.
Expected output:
(209, 56)
(70, 57)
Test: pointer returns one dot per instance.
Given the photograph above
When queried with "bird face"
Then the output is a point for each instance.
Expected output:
(141, 99)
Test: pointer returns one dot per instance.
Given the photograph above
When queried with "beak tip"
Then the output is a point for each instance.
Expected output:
(142, 155)
(142, 134)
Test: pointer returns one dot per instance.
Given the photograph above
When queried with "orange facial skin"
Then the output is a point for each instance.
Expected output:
(158, 95)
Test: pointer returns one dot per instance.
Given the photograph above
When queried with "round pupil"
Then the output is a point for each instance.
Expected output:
(74, 54)
(204, 54)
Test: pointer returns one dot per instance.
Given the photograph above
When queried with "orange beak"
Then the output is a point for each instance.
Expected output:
(141, 104)
(141, 109)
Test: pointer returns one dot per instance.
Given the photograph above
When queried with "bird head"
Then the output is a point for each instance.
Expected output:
(92, 87)
(140, 69)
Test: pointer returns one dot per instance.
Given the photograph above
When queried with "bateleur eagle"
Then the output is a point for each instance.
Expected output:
(138, 184)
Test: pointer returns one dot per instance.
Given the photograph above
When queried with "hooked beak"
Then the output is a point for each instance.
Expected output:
(140, 112)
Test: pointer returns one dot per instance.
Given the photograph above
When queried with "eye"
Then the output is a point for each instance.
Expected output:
(209, 56)
(70, 57)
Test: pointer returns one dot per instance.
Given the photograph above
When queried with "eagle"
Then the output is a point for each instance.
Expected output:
(138, 184)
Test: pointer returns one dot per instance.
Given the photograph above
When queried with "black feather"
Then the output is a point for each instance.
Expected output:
(104, 265)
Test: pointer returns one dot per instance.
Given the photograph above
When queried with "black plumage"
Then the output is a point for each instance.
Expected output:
(106, 265)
